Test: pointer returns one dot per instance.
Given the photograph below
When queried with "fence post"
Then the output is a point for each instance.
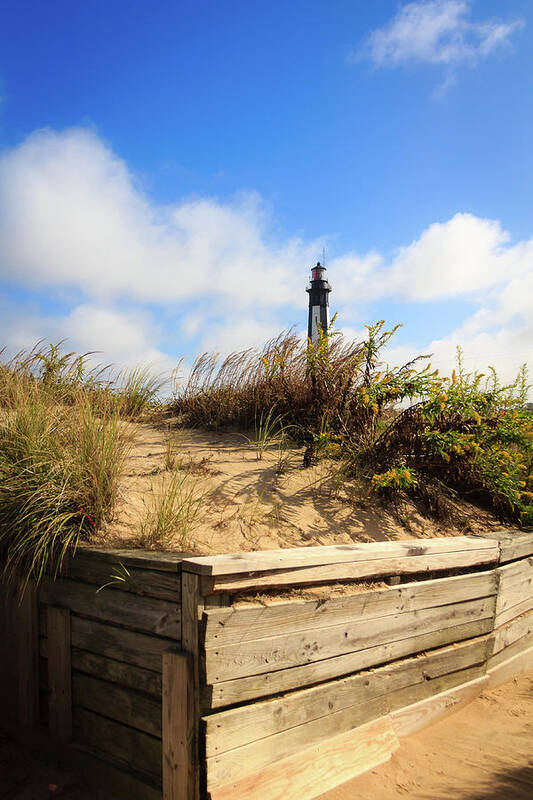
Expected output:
(190, 608)
(176, 724)
(59, 673)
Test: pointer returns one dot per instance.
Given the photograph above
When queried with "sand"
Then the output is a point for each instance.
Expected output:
(248, 503)
(483, 752)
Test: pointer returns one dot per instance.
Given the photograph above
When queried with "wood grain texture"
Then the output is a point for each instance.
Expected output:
(244, 689)
(145, 559)
(517, 546)
(244, 724)
(355, 570)
(177, 726)
(116, 702)
(506, 635)
(268, 560)
(120, 644)
(133, 748)
(145, 614)
(109, 669)
(233, 765)
(315, 770)
(239, 624)
(510, 668)
(413, 718)
(227, 662)
(59, 674)
(163, 585)
(192, 606)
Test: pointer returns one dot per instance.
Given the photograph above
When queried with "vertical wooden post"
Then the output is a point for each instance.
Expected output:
(176, 724)
(59, 674)
(25, 633)
(190, 609)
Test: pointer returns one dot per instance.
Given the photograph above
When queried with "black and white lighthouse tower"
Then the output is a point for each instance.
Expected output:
(318, 291)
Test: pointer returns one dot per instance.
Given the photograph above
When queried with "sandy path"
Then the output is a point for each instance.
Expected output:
(484, 752)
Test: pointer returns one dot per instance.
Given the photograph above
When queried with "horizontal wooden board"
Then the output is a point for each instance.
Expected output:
(227, 662)
(238, 726)
(104, 774)
(116, 575)
(234, 765)
(417, 716)
(513, 595)
(131, 647)
(512, 631)
(270, 683)
(136, 749)
(128, 675)
(518, 546)
(146, 559)
(145, 614)
(116, 702)
(268, 560)
(245, 623)
(511, 613)
(511, 668)
(344, 571)
(515, 571)
(524, 643)
(315, 770)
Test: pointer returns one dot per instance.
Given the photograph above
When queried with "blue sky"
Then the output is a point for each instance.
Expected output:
(169, 171)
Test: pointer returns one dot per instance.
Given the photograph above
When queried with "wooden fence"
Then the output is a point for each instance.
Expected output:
(175, 681)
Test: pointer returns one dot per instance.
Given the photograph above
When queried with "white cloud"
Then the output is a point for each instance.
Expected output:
(74, 220)
(123, 339)
(435, 32)
(72, 215)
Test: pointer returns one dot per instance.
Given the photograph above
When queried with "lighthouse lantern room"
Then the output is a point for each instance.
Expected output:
(318, 291)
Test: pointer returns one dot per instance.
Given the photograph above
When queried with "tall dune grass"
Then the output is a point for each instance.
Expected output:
(63, 444)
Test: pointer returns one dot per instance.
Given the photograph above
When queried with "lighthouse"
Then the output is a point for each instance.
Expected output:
(318, 291)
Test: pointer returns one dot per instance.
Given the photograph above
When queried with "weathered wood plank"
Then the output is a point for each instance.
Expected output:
(510, 633)
(145, 614)
(515, 571)
(25, 634)
(354, 570)
(514, 611)
(244, 724)
(268, 560)
(136, 749)
(102, 774)
(245, 623)
(315, 770)
(192, 606)
(243, 689)
(419, 715)
(59, 674)
(145, 559)
(116, 702)
(117, 575)
(516, 594)
(177, 725)
(524, 643)
(511, 668)
(135, 648)
(227, 662)
(108, 669)
(519, 546)
(234, 765)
